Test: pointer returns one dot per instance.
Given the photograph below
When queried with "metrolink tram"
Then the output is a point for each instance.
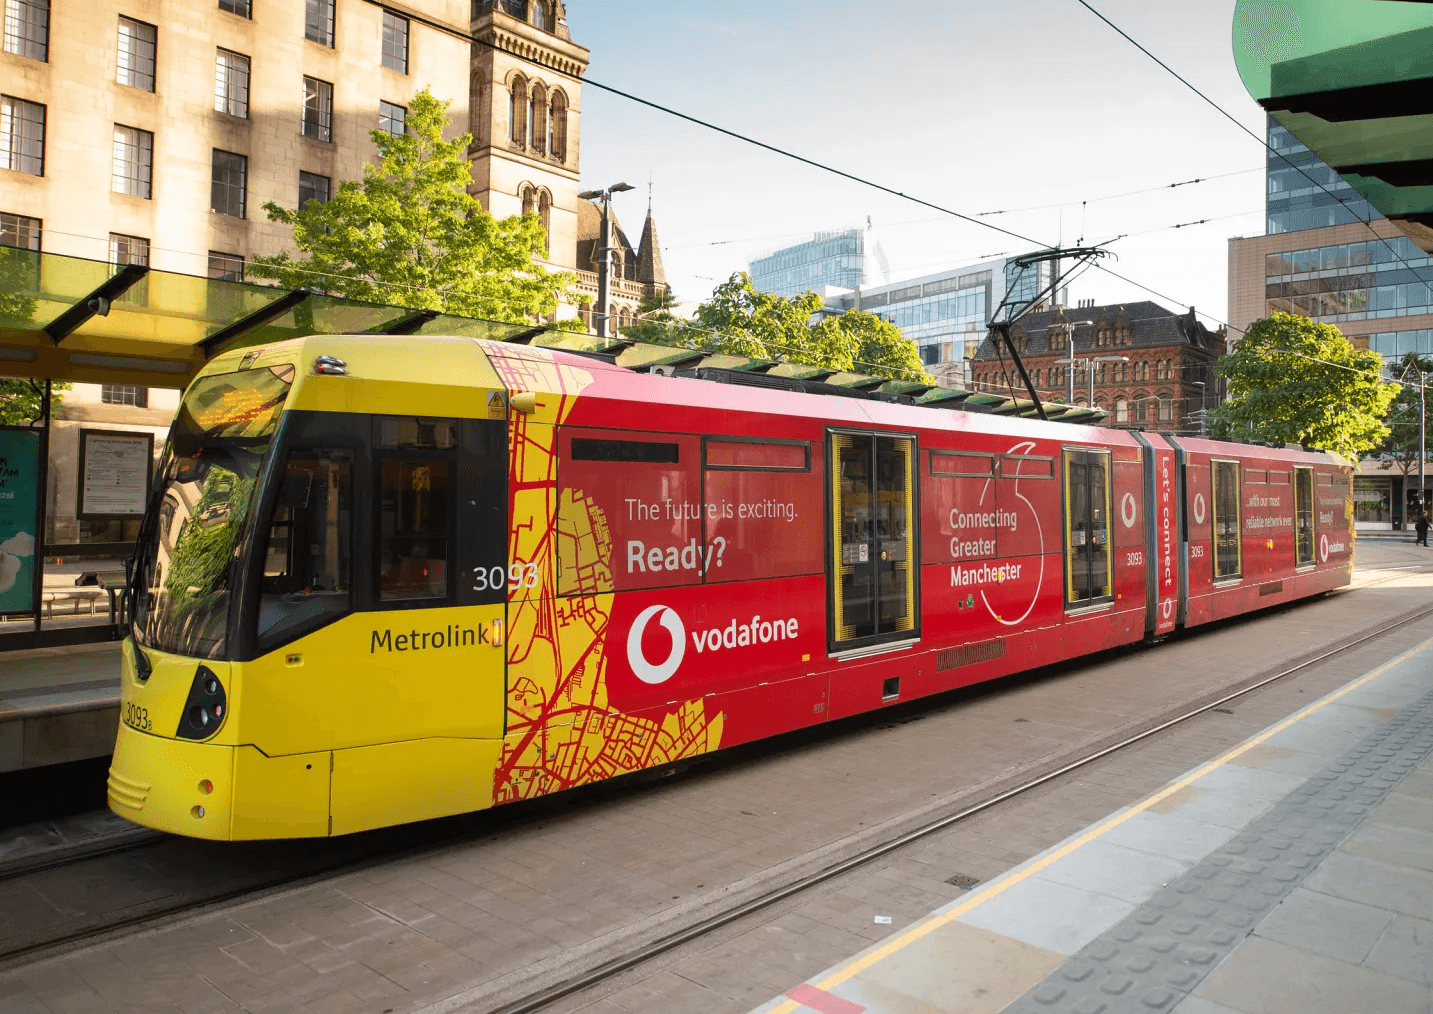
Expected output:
(388, 579)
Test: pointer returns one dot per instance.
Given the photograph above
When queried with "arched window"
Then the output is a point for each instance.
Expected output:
(544, 213)
(517, 110)
(557, 125)
(1121, 410)
(1141, 371)
(542, 16)
(537, 114)
(525, 192)
(476, 93)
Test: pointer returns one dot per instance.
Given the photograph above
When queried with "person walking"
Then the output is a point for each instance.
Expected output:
(1421, 525)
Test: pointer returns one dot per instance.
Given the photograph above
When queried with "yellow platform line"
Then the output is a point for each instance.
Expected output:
(934, 922)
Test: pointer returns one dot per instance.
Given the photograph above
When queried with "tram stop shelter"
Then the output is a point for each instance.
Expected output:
(68, 319)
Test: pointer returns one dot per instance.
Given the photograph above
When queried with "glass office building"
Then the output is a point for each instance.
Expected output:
(944, 314)
(1294, 203)
(828, 259)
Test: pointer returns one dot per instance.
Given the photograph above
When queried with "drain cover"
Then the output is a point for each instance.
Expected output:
(962, 881)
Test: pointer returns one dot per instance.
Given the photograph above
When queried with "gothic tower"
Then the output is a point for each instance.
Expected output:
(525, 107)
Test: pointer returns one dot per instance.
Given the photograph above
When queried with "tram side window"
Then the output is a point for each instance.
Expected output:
(307, 565)
(1227, 549)
(415, 528)
(1304, 514)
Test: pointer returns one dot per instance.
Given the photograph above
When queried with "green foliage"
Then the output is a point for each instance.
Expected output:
(195, 584)
(22, 401)
(1401, 447)
(409, 234)
(1294, 381)
(740, 320)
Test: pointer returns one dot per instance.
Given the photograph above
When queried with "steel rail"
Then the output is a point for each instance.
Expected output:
(536, 1001)
(73, 852)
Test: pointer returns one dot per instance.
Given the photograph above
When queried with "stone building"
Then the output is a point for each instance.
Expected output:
(1166, 378)
(526, 102)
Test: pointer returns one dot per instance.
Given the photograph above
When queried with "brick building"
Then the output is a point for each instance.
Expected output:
(1166, 380)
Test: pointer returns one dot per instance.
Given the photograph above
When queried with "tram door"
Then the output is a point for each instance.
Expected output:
(873, 587)
(1304, 516)
(1088, 571)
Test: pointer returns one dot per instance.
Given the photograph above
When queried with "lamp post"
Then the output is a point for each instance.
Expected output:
(1069, 327)
(1203, 407)
(604, 248)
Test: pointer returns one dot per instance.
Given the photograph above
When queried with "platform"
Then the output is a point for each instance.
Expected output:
(58, 704)
(1293, 873)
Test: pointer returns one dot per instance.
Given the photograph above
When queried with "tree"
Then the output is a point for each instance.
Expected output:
(409, 234)
(22, 401)
(1294, 381)
(1401, 449)
(743, 321)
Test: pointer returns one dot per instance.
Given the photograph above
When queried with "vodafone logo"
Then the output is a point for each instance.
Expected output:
(1129, 510)
(1199, 508)
(662, 671)
(1323, 549)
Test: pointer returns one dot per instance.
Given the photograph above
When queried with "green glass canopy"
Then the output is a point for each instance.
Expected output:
(71, 319)
(1353, 81)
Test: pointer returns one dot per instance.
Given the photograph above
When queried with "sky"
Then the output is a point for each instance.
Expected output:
(973, 106)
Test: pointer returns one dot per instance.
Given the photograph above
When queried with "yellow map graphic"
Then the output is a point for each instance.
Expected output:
(561, 732)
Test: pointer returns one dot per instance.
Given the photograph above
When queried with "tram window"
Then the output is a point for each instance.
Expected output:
(648, 452)
(415, 528)
(1278, 478)
(393, 432)
(1325, 479)
(1304, 515)
(1255, 476)
(975, 466)
(308, 562)
(1025, 466)
(759, 455)
(1227, 549)
(1088, 561)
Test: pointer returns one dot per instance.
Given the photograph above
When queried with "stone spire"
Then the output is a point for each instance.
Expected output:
(649, 254)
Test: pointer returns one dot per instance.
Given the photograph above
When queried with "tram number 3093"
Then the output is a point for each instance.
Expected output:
(519, 575)
(137, 717)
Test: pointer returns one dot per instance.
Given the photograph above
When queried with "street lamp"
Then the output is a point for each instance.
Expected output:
(1069, 327)
(1203, 407)
(604, 248)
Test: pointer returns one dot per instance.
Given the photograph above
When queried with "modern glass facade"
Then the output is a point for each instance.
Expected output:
(1394, 345)
(1294, 203)
(941, 314)
(1026, 283)
(831, 258)
(1354, 281)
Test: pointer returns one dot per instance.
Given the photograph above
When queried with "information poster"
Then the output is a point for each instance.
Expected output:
(114, 474)
(19, 517)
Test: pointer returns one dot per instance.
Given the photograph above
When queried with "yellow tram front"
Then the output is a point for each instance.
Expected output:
(316, 625)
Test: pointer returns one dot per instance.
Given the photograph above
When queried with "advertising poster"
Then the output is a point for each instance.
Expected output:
(114, 479)
(19, 517)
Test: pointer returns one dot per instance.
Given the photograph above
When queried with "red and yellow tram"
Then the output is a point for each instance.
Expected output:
(388, 579)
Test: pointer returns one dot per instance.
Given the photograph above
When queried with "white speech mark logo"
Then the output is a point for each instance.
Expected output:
(1199, 508)
(1323, 549)
(646, 671)
(1129, 510)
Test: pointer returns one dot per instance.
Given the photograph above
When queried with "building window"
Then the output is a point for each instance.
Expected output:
(395, 42)
(27, 28)
(22, 136)
(318, 22)
(557, 127)
(128, 250)
(392, 120)
(133, 161)
(136, 54)
(124, 394)
(231, 83)
(313, 187)
(243, 8)
(318, 109)
(540, 17)
(19, 232)
(517, 110)
(537, 119)
(1121, 410)
(544, 214)
(228, 184)
(226, 267)
(1166, 409)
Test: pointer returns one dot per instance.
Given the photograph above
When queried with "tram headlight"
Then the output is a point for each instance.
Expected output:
(206, 707)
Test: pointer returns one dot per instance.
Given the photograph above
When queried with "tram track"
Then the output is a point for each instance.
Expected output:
(538, 1000)
(375, 848)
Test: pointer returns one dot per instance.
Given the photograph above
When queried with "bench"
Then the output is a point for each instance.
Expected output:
(76, 595)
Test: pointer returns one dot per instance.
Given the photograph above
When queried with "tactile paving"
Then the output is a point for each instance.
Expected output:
(1160, 952)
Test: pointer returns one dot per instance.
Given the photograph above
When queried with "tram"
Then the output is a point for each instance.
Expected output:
(390, 579)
